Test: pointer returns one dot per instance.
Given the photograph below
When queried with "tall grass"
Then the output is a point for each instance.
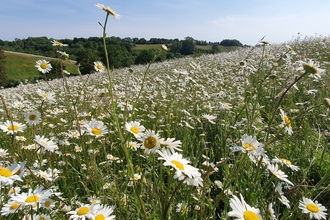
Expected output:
(98, 159)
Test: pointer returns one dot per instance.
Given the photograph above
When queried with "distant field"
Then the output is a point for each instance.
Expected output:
(157, 46)
(20, 66)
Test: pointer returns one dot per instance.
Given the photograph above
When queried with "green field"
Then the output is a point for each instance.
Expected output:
(20, 66)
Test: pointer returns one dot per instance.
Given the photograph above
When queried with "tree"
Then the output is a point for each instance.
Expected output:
(4, 81)
(231, 42)
(188, 46)
(86, 59)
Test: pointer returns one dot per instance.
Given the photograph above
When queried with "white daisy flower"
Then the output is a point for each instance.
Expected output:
(10, 127)
(8, 175)
(98, 66)
(33, 117)
(46, 143)
(210, 118)
(286, 122)
(81, 213)
(43, 66)
(108, 10)
(242, 211)
(135, 128)
(95, 128)
(181, 165)
(273, 168)
(103, 212)
(314, 209)
(150, 141)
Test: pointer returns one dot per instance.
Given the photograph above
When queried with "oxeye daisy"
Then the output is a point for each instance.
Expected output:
(311, 67)
(210, 118)
(273, 168)
(10, 127)
(103, 212)
(10, 208)
(150, 141)
(241, 210)
(108, 10)
(10, 174)
(314, 209)
(33, 197)
(95, 128)
(46, 143)
(57, 43)
(171, 143)
(43, 66)
(181, 165)
(81, 213)
(46, 96)
(135, 128)
(286, 122)
(98, 66)
(33, 117)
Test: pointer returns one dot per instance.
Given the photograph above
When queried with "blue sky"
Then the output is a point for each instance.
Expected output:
(210, 20)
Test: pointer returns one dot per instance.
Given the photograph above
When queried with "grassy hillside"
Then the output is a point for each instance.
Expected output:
(20, 66)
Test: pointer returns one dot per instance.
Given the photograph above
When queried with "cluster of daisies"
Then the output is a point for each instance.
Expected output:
(167, 149)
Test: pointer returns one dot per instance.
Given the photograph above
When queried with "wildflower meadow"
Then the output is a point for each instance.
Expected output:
(237, 135)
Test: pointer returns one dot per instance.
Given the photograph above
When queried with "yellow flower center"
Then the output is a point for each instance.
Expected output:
(5, 172)
(14, 206)
(178, 164)
(99, 66)
(96, 131)
(12, 127)
(42, 218)
(150, 142)
(32, 117)
(287, 121)
(135, 130)
(43, 66)
(309, 69)
(99, 217)
(32, 199)
(47, 204)
(83, 211)
(183, 208)
(313, 208)
(248, 215)
(45, 95)
(248, 146)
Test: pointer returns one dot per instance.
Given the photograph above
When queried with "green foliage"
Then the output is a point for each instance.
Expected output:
(4, 81)
(188, 46)
(231, 42)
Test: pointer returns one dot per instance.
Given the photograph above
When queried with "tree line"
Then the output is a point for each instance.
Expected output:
(121, 51)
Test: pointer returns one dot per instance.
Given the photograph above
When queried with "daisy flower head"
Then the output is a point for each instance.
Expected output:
(241, 210)
(108, 10)
(9, 174)
(57, 43)
(251, 145)
(273, 168)
(4, 153)
(210, 118)
(135, 128)
(43, 66)
(32, 197)
(181, 207)
(83, 212)
(314, 209)
(150, 141)
(64, 55)
(171, 143)
(286, 122)
(46, 96)
(103, 212)
(98, 66)
(95, 128)
(311, 67)
(33, 117)
(180, 164)
(10, 127)
(46, 143)
(10, 208)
